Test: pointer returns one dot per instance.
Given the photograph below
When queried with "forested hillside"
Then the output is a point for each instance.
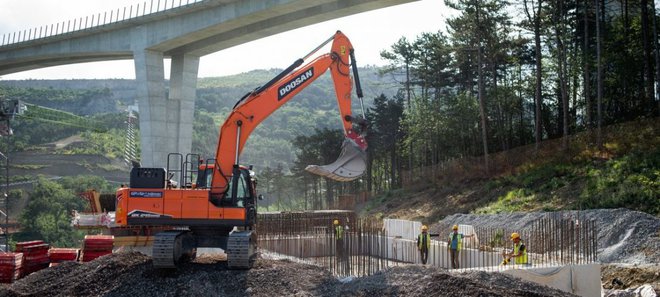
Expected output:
(269, 146)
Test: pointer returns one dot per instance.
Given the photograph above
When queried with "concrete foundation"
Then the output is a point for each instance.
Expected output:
(583, 280)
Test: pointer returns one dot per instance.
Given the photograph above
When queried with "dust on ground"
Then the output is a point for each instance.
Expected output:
(132, 274)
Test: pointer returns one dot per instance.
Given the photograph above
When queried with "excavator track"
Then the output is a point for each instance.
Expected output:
(240, 249)
(172, 247)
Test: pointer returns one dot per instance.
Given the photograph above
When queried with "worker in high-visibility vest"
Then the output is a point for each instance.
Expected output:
(424, 243)
(519, 253)
(455, 244)
(339, 238)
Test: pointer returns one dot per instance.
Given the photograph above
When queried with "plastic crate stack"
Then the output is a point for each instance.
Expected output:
(10, 267)
(59, 255)
(95, 246)
(35, 255)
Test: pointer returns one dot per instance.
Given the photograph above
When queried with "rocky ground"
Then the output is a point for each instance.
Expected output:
(131, 274)
(625, 276)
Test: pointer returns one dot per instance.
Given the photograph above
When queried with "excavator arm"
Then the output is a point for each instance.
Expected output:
(256, 106)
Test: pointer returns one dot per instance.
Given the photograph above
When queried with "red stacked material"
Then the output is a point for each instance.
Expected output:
(35, 256)
(58, 255)
(21, 245)
(95, 246)
(10, 267)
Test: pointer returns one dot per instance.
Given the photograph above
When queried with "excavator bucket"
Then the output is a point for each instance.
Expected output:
(351, 164)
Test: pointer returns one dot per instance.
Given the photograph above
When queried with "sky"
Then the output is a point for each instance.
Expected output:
(369, 32)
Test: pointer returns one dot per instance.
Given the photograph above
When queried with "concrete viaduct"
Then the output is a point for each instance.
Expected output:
(182, 30)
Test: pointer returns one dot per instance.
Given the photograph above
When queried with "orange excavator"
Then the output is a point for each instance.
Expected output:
(214, 202)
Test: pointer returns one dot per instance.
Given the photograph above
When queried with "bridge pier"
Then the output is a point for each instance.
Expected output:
(165, 120)
(150, 86)
(181, 102)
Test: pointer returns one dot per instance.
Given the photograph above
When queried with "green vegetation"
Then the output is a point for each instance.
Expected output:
(28, 167)
(631, 180)
(47, 215)
(109, 144)
(20, 178)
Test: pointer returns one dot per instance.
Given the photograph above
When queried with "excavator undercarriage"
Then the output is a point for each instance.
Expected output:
(173, 247)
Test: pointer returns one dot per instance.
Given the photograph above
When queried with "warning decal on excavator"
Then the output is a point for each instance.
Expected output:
(145, 194)
(294, 83)
(146, 214)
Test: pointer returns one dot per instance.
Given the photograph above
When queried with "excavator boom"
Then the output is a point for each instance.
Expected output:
(250, 111)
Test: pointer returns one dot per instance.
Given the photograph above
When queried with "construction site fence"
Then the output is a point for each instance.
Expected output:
(368, 247)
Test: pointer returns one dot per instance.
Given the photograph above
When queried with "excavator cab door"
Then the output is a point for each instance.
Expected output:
(204, 176)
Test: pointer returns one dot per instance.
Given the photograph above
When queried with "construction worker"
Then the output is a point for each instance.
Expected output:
(339, 238)
(455, 244)
(519, 253)
(424, 243)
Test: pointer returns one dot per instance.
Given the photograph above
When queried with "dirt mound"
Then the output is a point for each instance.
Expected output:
(132, 274)
(624, 236)
(415, 280)
(622, 276)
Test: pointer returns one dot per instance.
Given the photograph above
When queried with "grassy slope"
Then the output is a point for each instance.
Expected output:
(624, 174)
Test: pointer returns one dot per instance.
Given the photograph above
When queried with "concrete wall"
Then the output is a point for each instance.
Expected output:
(402, 228)
(583, 280)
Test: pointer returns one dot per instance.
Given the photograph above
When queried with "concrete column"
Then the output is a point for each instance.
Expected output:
(181, 102)
(150, 80)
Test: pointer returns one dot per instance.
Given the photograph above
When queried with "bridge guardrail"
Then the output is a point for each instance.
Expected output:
(145, 8)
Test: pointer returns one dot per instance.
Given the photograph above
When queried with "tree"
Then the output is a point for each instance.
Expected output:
(402, 53)
(48, 214)
(534, 19)
(482, 28)
(321, 148)
(385, 135)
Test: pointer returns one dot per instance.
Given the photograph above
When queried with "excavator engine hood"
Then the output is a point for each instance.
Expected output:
(350, 165)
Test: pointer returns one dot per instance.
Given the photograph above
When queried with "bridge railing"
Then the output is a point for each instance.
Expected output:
(94, 21)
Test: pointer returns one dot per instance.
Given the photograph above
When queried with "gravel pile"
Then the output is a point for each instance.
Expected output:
(131, 274)
(415, 280)
(624, 236)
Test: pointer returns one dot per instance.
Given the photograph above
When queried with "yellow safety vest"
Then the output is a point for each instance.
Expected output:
(420, 240)
(339, 232)
(459, 238)
(521, 259)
